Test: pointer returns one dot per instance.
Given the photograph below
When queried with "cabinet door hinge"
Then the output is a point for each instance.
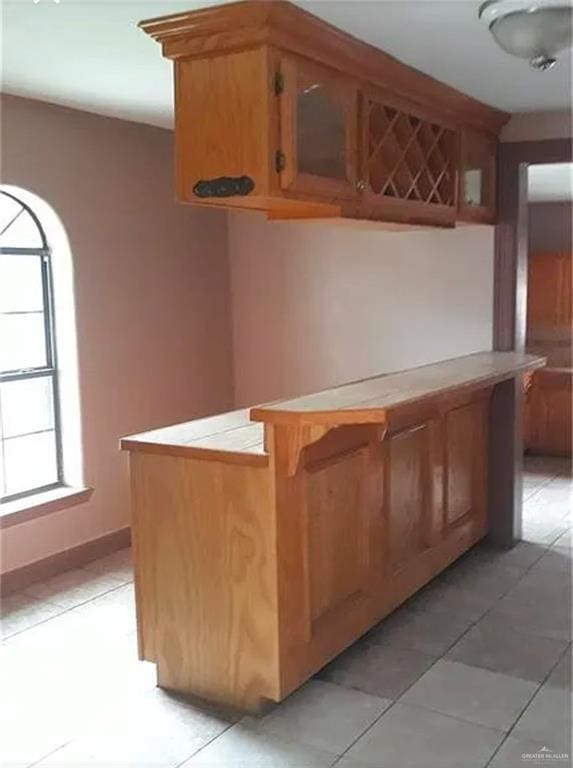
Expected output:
(280, 161)
(279, 83)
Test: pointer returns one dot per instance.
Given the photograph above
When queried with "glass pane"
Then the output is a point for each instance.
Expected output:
(22, 233)
(320, 133)
(9, 208)
(473, 186)
(27, 406)
(30, 462)
(22, 342)
(21, 283)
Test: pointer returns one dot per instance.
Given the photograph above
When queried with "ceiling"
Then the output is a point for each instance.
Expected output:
(550, 183)
(90, 55)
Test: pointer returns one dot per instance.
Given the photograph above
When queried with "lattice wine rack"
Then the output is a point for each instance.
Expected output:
(410, 158)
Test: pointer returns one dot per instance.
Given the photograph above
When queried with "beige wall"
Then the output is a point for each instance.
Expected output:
(549, 226)
(152, 297)
(535, 126)
(315, 305)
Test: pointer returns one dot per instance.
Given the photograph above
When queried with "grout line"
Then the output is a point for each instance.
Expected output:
(442, 658)
(63, 611)
(193, 754)
(541, 684)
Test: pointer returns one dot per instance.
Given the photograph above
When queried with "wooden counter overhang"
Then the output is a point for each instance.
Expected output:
(267, 541)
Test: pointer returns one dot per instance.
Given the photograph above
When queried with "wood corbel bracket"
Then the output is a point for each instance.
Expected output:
(295, 439)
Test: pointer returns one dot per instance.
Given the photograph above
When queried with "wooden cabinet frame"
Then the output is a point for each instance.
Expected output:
(480, 148)
(297, 73)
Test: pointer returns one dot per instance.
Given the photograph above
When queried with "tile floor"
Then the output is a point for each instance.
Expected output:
(474, 671)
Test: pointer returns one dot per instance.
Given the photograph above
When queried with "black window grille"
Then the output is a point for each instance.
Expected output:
(30, 426)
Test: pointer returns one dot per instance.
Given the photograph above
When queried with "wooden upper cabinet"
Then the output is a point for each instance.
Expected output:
(318, 129)
(279, 111)
(477, 177)
(408, 163)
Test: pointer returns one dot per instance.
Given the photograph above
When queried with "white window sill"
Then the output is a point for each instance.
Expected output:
(40, 504)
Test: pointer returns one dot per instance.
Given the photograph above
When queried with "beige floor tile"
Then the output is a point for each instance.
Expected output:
(564, 540)
(380, 670)
(118, 565)
(323, 715)
(556, 559)
(413, 737)
(243, 747)
(540, 603)
(495, 645)
(547, 719)
(560, 676)
(545, 466)
(489, 580)
(477, 695)
(21, 612)
(522, 556)
(443, 598)
(73, 587)
(431, 633)
(156, 731)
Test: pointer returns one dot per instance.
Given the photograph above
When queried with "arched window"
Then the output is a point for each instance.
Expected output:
(30, 429)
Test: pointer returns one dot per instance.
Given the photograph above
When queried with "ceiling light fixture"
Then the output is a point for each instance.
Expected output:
(536, 31)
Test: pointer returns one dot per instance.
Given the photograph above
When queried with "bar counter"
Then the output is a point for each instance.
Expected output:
(268, 540)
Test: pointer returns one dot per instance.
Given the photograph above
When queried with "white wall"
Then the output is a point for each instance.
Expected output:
(315, 305)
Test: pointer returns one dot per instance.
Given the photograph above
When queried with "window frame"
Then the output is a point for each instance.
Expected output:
(50, 370)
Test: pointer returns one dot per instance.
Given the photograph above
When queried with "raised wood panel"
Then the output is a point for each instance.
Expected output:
(460, 454)
(221, 122)
(465, 430)
(338, 535)
(549, 306)
(407, 507)
(548, 412)
(549, 291)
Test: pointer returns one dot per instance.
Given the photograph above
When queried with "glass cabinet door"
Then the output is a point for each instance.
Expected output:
(477, 177)
(318, 112)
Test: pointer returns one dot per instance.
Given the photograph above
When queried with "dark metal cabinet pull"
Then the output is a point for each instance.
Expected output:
(224, 186)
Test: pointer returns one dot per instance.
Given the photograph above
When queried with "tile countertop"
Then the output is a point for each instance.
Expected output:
(238, 436)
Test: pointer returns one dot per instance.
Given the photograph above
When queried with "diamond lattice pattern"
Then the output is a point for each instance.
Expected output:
(410, 158)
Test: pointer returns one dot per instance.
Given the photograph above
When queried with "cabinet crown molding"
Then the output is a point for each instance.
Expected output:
(280, 24)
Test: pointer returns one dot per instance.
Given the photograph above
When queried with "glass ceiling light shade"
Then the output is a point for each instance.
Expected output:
(536, 31)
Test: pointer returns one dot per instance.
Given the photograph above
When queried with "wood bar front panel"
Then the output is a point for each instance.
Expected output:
(205, 577)
(373, 512)
(249, 579)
